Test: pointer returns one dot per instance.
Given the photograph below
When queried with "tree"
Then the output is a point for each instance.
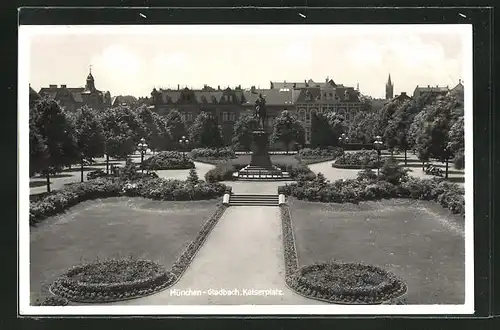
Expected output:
(337, 126)
(321, 131)
(155, 128)
(176, 126)
(243, 128)
(362, 128)
(89, 135)
(385, 115)
(205, 131)
(456, 142)
(53, 138)
(436, 122)
(122, 131)
(288, 129)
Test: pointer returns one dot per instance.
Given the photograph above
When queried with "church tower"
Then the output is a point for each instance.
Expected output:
(90, 85)
(389, 89)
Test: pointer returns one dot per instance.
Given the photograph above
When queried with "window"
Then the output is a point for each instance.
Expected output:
(232, 116)
(224, 116)
(302, 115)
(189, 116)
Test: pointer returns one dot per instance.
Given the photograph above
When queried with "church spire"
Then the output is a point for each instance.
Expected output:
(389, 89)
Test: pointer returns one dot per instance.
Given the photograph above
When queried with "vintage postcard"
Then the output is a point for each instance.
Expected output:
(246, 169)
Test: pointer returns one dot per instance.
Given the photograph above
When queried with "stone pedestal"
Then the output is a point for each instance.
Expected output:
(260, 167)
(260, 150)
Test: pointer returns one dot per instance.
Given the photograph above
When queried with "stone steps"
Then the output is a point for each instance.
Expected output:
(253, 200)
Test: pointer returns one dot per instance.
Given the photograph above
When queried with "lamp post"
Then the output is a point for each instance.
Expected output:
(142, 146)
(184, 142)
(378, 144)
(343, 139)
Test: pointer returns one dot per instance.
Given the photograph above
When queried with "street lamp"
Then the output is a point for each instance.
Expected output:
(184, 142)
(378, 144)
(343, 139)
(142, 146)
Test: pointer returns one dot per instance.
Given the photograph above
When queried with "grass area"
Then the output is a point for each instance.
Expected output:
(418, 241)
(119, 227)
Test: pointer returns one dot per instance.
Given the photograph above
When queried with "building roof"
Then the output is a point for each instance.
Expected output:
(317, 95)
(272, 96)
(291, 84)
(431, 89)
(33, 94)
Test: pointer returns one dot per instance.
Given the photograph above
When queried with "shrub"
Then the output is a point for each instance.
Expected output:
(459, 161)
(392, 172)
(129, 171)
(358, 159)
(367, 174)
(298, 172)
(221, 172)
(449, 195)
(319, 152)
(221, 153)
(168, 160)
(193, 176)
(96, 174)
(144, 186)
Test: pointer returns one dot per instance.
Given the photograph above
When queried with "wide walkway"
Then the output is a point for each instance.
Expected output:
(244, 252)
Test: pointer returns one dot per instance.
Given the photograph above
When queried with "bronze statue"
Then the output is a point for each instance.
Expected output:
(260, 111)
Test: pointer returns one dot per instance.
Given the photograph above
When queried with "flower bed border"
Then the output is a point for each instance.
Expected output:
(296, 282)
(173, 275)
(353, 167)
(82, 292)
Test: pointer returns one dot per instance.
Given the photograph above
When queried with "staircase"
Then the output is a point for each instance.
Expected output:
(253, 200)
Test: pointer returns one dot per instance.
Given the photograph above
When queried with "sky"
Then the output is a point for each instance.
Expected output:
(135, 59)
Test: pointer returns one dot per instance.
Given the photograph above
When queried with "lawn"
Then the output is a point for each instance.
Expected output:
(419, 241)
(113, 228)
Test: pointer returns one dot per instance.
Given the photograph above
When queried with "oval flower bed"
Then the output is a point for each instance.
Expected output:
(357, 160)
(112, 280)
(348, 283)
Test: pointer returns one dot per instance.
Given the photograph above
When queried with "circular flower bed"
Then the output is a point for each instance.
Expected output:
(112, 280)
(348, 283)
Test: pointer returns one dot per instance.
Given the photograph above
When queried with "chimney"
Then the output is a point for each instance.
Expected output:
(218, 87)
(403, 93)
(63, 86)
(428, 86)
(178, 86)
(52, 86)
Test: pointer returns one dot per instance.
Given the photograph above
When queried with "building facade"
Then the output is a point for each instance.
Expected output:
(73, 98)
(301, 99)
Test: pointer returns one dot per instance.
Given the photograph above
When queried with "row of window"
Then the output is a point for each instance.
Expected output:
(228, 116)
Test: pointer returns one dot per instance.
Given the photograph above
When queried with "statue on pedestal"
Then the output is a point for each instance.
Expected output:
(260, 111)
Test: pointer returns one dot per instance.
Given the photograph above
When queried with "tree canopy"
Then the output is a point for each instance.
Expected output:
(205, 131)
(288, 129)
(242, 135)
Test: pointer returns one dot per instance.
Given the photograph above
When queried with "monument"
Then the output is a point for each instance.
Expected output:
(261, 167)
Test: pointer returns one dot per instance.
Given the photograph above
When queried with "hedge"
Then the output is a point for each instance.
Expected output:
(449, 195)
(168, 160)
(224, 171)
(357, 160)
(221, 153)
(153, 188)
(319, 152)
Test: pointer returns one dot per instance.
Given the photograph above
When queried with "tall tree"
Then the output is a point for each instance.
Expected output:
(362, 128)
(205, 131)
(38, 149)
(321, 131)
(243, 127)
(176, 126)
(288, 129)
(155, 129)
(54, 138)
(89, 135)
(337, 126)
(122, 131)
(456, 142)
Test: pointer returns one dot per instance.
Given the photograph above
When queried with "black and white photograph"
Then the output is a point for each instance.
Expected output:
(246, 169)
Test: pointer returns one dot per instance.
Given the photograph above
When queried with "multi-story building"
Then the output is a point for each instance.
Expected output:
(435, 90)
(326, 97)
(74, 98)
(227, 105)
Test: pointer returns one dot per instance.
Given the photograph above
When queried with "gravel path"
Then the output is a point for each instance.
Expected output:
(243, 252)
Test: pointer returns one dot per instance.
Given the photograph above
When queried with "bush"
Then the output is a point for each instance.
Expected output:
(459, 161)
(193, 176)
(96, 174)
(144, 186)
(221, 153)
(367, 174)
(168, 160)
(221, 172)
(129, 171)
(358, 159)
(297, 171)
(449, 195)
(319, 152)
(392, 172)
